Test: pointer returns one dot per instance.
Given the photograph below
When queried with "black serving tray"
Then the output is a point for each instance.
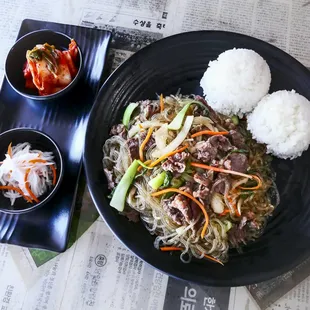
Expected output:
(65, 120)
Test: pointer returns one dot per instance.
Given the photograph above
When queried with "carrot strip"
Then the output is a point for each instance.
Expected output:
(33, 161)
(32, 195)
(259, 184)
(213, 259)
(54, 174)
(173, 248)
(10, 150)
(161, 102)
(154, 163)
(201, 206)
(225, 212)
(170, 248)
(146, 163)
(209, 132)
(16, 189)
(203, 166)
(146, 140)
(234, 206)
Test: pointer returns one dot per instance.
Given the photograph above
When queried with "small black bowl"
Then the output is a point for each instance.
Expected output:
(40, 141)
(16, 59)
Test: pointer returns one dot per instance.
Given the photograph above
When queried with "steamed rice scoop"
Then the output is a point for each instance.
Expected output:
(236, 81)
(26, 173)
(281, 121)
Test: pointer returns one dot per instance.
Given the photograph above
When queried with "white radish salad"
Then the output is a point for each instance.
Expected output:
(26, 173)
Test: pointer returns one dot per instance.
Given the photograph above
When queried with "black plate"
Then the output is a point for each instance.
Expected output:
(64, 120)
(179, 62)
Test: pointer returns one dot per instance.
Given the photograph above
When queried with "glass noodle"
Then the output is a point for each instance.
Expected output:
(245, 199)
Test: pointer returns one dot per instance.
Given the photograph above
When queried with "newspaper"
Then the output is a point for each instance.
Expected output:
(97, 271)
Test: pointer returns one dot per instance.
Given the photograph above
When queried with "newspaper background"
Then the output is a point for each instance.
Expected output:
(97, 271)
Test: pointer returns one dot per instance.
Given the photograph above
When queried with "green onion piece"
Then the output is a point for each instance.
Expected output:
(128, 112)
(176, 183)
(143, 165)
(141, 174)
(178, 120)
(239, 151)
(228, 225)
(111, 194)
(119, 196)
(192, 101)
(235, 119)
(167, 179)
(246, 194)
(158, 181)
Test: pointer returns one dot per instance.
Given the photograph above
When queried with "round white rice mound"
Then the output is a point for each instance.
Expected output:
(235, 82)
(281, 120)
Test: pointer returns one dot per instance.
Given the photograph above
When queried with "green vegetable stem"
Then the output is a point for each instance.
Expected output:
(158, 181)
(128, 112)
(119, 196)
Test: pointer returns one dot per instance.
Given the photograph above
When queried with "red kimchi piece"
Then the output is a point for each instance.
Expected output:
(50, 70)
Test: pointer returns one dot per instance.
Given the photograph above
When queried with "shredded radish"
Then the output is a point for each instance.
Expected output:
(26, 171)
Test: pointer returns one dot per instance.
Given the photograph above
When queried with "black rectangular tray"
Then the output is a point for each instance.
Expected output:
(63, 119)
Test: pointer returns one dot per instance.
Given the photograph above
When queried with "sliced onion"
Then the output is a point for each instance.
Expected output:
(178, 139)
(136, 128)
(161, 136)
(202, 120)
(217, 203)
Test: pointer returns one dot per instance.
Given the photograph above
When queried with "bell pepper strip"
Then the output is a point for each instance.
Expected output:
(209, 132)
(201, 206)
(119, 197)
(143, 144)
(128, 112)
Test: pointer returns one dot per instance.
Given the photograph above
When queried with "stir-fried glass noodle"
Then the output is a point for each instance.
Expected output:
(195, 178)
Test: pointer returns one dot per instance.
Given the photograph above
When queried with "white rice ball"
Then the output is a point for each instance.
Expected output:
(236, 81)
(281, 120)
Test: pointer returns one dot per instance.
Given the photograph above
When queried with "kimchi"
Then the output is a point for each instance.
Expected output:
(50, 70)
